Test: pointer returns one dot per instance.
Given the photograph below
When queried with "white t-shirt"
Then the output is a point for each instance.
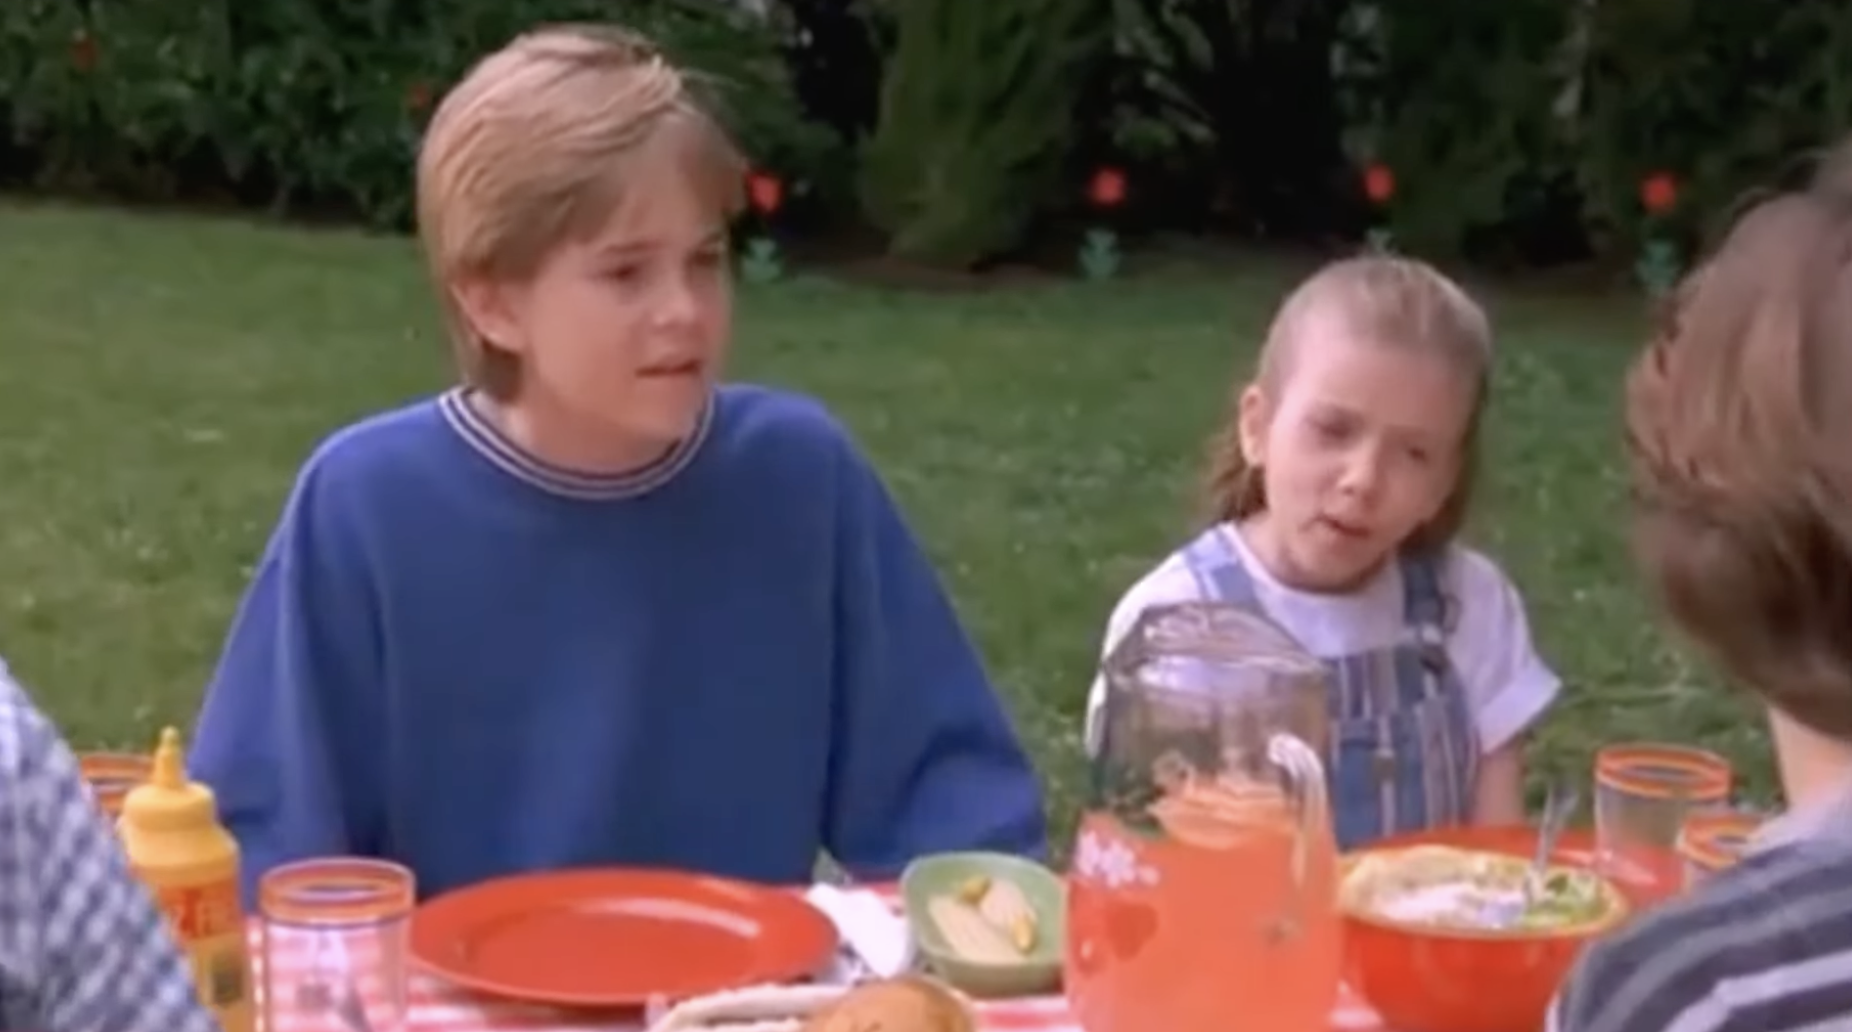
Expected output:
(1489, 644)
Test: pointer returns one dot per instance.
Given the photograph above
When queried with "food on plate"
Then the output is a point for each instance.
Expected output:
(895, 1005)
(908, 1004)
(1448, 888)
(967, 934)
(760, 1008)
(973, 889)
(986, 920)
(1004, 906)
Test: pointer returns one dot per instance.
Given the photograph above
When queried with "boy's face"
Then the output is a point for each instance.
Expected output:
(621, 335)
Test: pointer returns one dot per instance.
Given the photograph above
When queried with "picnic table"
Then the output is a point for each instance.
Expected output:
(436, 1006)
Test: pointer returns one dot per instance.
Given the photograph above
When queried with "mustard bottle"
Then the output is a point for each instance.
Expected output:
(170, 829)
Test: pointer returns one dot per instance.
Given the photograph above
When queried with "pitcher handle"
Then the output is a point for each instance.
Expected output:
(1304, 775)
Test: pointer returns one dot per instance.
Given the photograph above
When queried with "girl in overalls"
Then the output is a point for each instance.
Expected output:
(1337, 489)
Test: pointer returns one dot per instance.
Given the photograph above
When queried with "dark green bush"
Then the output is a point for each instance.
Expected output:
(1725, 97)
(1532, 116)
(1460, 99)
(1529, 123)
(1198, 82)
(305, 103)
(977, 118)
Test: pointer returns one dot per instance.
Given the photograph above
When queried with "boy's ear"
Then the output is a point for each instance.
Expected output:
(489, 306)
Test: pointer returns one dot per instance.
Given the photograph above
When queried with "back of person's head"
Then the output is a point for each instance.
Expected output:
(1389, 301)
(535, 147)
(1739, 428)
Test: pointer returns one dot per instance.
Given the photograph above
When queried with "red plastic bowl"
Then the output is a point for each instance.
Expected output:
(1460, 981)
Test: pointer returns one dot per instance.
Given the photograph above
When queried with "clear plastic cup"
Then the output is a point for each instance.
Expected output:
(336, 949)
(1644, 793)
(1714, 841)
(111, 776)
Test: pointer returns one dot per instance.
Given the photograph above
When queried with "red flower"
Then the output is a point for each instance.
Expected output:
(765, 192)
(1659, 193)
(83, 51)
(1107, 188)
(418, 97)
(1378, 183)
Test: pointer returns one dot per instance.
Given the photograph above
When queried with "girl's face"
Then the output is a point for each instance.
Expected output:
(1359, 444)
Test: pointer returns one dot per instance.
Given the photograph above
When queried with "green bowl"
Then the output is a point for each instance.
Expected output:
(1038, 972)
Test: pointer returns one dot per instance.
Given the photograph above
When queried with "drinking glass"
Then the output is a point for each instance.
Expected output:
(111, 776)
(1644, 793)
(1713, 841)
(335, 945)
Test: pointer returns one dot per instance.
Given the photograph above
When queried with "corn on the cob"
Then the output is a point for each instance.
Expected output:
(968, 934)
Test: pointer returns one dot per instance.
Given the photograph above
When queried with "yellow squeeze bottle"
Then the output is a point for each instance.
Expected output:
(170, 829)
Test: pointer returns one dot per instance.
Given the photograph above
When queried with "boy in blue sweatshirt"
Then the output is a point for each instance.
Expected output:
(590, 607)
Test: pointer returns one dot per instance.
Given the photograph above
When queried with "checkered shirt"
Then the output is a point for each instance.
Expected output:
(82, 946)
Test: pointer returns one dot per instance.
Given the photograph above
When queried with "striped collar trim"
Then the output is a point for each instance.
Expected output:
(488, 440)
(1829, 818)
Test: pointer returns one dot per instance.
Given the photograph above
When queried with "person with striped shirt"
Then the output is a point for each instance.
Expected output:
(1739, 428)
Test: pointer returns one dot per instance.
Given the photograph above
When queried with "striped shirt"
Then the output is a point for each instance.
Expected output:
(82, 946)
(1763, 947)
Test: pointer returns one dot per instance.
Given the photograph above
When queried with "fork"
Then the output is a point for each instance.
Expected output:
(1558, 807)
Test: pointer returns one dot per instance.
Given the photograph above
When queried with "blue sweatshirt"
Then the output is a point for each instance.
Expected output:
(457, 657)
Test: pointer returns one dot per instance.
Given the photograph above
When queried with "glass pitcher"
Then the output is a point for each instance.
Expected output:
(1204, 889)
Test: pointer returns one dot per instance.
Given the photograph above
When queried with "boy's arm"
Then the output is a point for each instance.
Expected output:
(922, 755)
(283, 735)
(102, 956)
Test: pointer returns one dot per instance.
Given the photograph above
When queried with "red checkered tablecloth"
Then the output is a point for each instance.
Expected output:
(439, 1007)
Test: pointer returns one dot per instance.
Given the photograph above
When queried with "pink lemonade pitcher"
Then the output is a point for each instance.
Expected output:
(1203, 896)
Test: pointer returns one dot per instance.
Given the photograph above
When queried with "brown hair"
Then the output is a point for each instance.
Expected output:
(529, 151)
(1739, 432)
(1384, 299)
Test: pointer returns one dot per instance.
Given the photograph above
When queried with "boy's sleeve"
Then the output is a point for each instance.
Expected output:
(1665, 972)
(100, 954)
(923, 758)
(283, 736)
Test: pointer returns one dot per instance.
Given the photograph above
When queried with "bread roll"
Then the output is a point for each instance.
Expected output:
(908, 1004)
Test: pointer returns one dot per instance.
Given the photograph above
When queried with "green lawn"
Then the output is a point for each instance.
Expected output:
(161, 378)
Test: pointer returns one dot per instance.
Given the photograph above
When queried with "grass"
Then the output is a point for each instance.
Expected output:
(162, 377)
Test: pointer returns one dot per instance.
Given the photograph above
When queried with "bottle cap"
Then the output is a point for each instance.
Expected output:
(167, 799)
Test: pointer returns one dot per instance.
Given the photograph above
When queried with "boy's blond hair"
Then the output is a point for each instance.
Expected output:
(1739, 427)
(532, 150)
(1383, 299)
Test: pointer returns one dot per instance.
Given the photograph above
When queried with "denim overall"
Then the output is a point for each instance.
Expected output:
(1404, 748)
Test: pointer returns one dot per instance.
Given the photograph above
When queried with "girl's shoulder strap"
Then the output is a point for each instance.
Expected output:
(1425, 600)
(1220, 574)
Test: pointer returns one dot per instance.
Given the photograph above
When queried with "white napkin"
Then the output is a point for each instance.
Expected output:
(877, 940)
